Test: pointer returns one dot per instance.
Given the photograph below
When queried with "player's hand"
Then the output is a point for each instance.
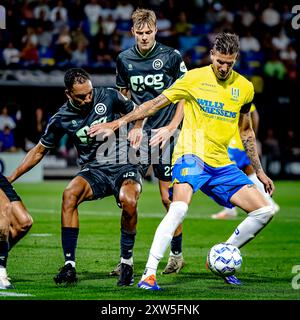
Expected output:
(135, 137)
(104, 129)
(162, 135)
(266, 181)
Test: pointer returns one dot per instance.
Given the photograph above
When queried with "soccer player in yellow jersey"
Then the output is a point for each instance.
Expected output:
(238, 155)
(217, 104)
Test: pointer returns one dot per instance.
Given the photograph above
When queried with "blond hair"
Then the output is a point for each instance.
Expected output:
(140, 17)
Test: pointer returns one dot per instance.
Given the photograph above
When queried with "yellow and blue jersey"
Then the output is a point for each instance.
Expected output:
(211, 113)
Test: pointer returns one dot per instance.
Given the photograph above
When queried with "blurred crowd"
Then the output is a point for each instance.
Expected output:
(53, 34)
(59, 34)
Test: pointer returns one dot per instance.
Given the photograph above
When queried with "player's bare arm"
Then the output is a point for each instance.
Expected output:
(163, 134)
(255, 121)
(32, 158)
(249, 142)
(141, 112)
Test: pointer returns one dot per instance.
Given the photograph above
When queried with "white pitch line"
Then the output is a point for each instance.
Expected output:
(14, 294)
(117, 214)
(41, 234)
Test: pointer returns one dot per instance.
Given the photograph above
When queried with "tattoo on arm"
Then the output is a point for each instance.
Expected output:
(249, 141)
(146, 109)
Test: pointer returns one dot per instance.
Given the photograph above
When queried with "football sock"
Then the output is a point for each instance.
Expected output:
(151, 266)
(251, 226)
(127, 243)
(3, 253)
(176, 245)
(127, 261)
(164, 234)
(69, 238)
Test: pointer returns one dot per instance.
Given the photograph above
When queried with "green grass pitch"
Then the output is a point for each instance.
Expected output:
(266, 272)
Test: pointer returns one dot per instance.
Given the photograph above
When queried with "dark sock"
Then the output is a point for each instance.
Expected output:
(176, 244)
(3, 253)
(69, 238)
(127, 243)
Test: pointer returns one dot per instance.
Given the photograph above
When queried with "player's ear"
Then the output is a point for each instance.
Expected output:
(211, 53)
(67, 94)
(132, 30)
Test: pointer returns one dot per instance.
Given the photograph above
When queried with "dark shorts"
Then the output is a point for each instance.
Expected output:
(8, 189)
(161, 162)
(107, 180)
(162, 172)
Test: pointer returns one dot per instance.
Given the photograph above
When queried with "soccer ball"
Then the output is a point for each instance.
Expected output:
(224, 259)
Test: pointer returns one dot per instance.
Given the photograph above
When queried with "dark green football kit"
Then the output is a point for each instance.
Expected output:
(103, 161)
(147, 76)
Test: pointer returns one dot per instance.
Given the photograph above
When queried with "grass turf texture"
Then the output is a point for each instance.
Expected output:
(266, 272)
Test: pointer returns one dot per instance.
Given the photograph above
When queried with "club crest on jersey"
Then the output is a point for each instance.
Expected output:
(235, 92)
(183, 67)
(100, 108)
(157, 64)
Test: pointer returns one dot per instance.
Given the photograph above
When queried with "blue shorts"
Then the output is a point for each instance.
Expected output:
(218, 183)
(239, 157)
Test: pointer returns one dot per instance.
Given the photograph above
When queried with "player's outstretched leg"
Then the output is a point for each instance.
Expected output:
(161, 241)
(76, 192)
(15, 222)
(260, 213)
(128, 197)
(175, 262)
(5, 209)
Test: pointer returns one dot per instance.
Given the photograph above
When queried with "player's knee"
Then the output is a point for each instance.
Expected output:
(128, 202)
(263, 214)
(70, 198)
(23, 226)
(179, 210)
(26, 223)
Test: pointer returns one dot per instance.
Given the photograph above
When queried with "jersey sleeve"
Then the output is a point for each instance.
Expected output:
(121, 77)
(179, 89)
(53, 133)
(179, 67)
(248, 100)
(253, 108)
(123, 104)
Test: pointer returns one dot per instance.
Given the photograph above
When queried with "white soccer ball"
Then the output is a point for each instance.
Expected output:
(224, 259)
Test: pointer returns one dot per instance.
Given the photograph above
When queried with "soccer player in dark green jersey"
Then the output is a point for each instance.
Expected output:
(15, 222)
(104, 171)
(143, 72)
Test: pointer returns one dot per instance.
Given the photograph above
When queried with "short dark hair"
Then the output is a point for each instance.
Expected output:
(227, 43)
(75, 75)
